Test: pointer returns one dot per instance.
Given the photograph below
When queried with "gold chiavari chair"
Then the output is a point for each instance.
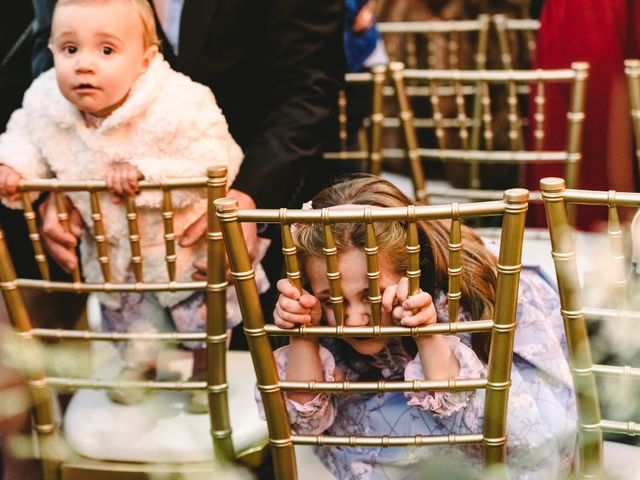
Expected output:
(465, 136)
(368, 141)
(434, 44)
(272, 389)
(442, 44)
(632, 69)
(371, 151)
(611, 338)
(96, 438)
(516, 40)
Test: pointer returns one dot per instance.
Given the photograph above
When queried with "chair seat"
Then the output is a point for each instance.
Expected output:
(621, 461)
(160, 429)
(309, 465)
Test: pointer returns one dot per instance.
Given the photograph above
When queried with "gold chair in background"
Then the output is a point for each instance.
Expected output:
(76, 445)
(442, 44)
(617, 313)
(463, 134)
(516, 40)
(632, 70)
(493, 437)
(371, 150)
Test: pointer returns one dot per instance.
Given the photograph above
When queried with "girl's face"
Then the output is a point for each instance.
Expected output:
(355, 290)
(98, 52)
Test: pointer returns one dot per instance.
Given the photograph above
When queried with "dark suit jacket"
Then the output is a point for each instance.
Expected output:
(275, 67)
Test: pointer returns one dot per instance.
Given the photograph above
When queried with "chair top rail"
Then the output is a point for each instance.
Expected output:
(495, 156)
(467, 194)
(562, 74)
(372, 214)
(79, 287)
(56, 185)
(387, 441)
(594, 313)
(464, 384)
(380, 331)
(619, 371)
(432, 26)
(358, 77)
(628, 428)
(62, 334)
(517, 23)
(101, 384)
(595, 197)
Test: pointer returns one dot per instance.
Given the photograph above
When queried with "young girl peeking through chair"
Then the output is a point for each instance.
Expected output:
(113, 109)
(541, 411)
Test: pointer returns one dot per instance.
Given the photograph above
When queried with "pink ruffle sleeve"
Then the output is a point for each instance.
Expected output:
(316, 415)
(444, 404)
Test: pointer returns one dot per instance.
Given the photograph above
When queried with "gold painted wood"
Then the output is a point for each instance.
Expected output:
(333, 273)
(34, 236)
(284, 461)
(493, 437)
(32, 341)
(632, 70)
(134, 238)
(373, 272)
(454, 293)
(63, 218)
(169, 235)
(485, 90)
(100, 237)
(216, 345)
(559, 200)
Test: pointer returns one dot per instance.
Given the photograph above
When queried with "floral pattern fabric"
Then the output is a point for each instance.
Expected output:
(541, 422)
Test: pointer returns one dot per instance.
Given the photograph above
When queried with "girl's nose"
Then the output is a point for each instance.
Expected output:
(357, 316)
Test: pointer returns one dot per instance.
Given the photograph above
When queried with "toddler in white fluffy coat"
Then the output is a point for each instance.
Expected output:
(112, 108)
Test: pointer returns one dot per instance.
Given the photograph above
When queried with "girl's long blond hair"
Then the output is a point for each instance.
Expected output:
(478, 282)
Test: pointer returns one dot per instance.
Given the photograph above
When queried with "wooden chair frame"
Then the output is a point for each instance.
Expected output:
(371, 151)
(45, 424)
(451, 30)
(557, 200)
(493, 438)
(475, 131)
(632, 70)
(523, 29)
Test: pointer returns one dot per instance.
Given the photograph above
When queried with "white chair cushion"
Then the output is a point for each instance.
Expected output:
(160, 429)
(309, 465)
(621, 461)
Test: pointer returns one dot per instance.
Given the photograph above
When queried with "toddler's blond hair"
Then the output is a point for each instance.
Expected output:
(142, 7)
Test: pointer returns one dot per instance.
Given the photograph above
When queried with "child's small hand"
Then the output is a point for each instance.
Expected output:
(9, 182)
(405, 310)
(294, 308)
(122, 179)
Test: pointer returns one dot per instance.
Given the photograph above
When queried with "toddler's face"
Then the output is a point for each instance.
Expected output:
(355, 290)
(98, 53)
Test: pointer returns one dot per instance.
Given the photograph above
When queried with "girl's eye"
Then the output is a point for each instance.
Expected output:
(71, 49)
(107, 50)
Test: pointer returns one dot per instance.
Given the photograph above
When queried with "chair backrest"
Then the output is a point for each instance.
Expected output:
(396, 114)
(462, 127)
(632, 69)
(616, 311)
(32, 339)
(516, 40)
(272, 388)
(442, 44)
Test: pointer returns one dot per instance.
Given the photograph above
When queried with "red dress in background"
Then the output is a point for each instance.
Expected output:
(603, 33)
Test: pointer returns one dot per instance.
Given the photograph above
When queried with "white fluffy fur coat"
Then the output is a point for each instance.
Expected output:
(168, 127)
